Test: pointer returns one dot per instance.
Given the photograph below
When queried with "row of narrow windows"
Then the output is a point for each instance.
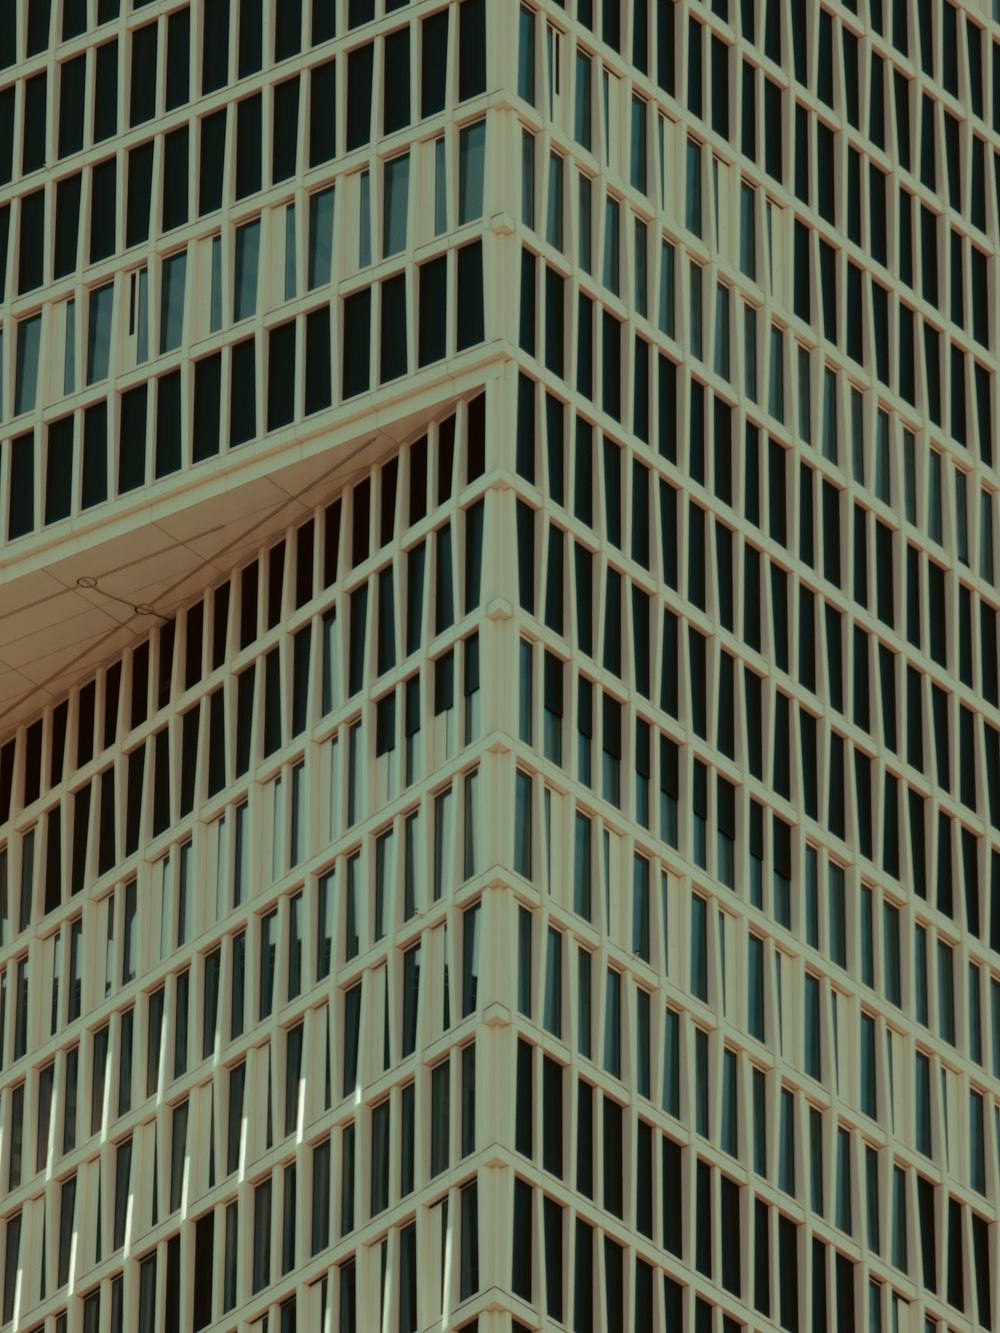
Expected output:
(850, 926)
(588, 345)
(699, 1215)
(933, 31)
(223, 40)
(226, 399)
(409, 491)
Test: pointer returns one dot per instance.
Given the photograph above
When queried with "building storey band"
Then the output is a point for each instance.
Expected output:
(499, 702)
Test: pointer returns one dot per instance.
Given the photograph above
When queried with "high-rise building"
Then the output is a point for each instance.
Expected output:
(499, 707)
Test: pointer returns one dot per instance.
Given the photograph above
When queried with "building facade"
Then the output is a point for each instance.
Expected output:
(499, 705)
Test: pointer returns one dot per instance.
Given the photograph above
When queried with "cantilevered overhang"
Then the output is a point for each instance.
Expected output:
(75, 595)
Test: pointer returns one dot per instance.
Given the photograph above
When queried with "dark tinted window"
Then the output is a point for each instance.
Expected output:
(471, 48)
(357, 340)
(6, 134)
(21, 511)
(29, 269)
(8, 35)
(33, 131)
(286, 124)
(168, 423)
(142, 102)
(281, 377)
(213, 161)
(178, 59)
(251, 48)
(67, 225)
(392, 356)
(106, 92)
(95, 451)
(318, 378)
(102, 210)
(74, 18)
(215, 46)
(72, 92)
(324, 20)
(243, 393)
(469, 287)
(248, 140)
(207, 402)
(39, 15)
(359, 96)
(433, 277)
(433, 62)
(322, 106)
(59, 470)
(612, 369)
(287, 29)
(140, 183)
(396, 81)
(175, 178)
(611, 23)
(132, 440)
(554, 320)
